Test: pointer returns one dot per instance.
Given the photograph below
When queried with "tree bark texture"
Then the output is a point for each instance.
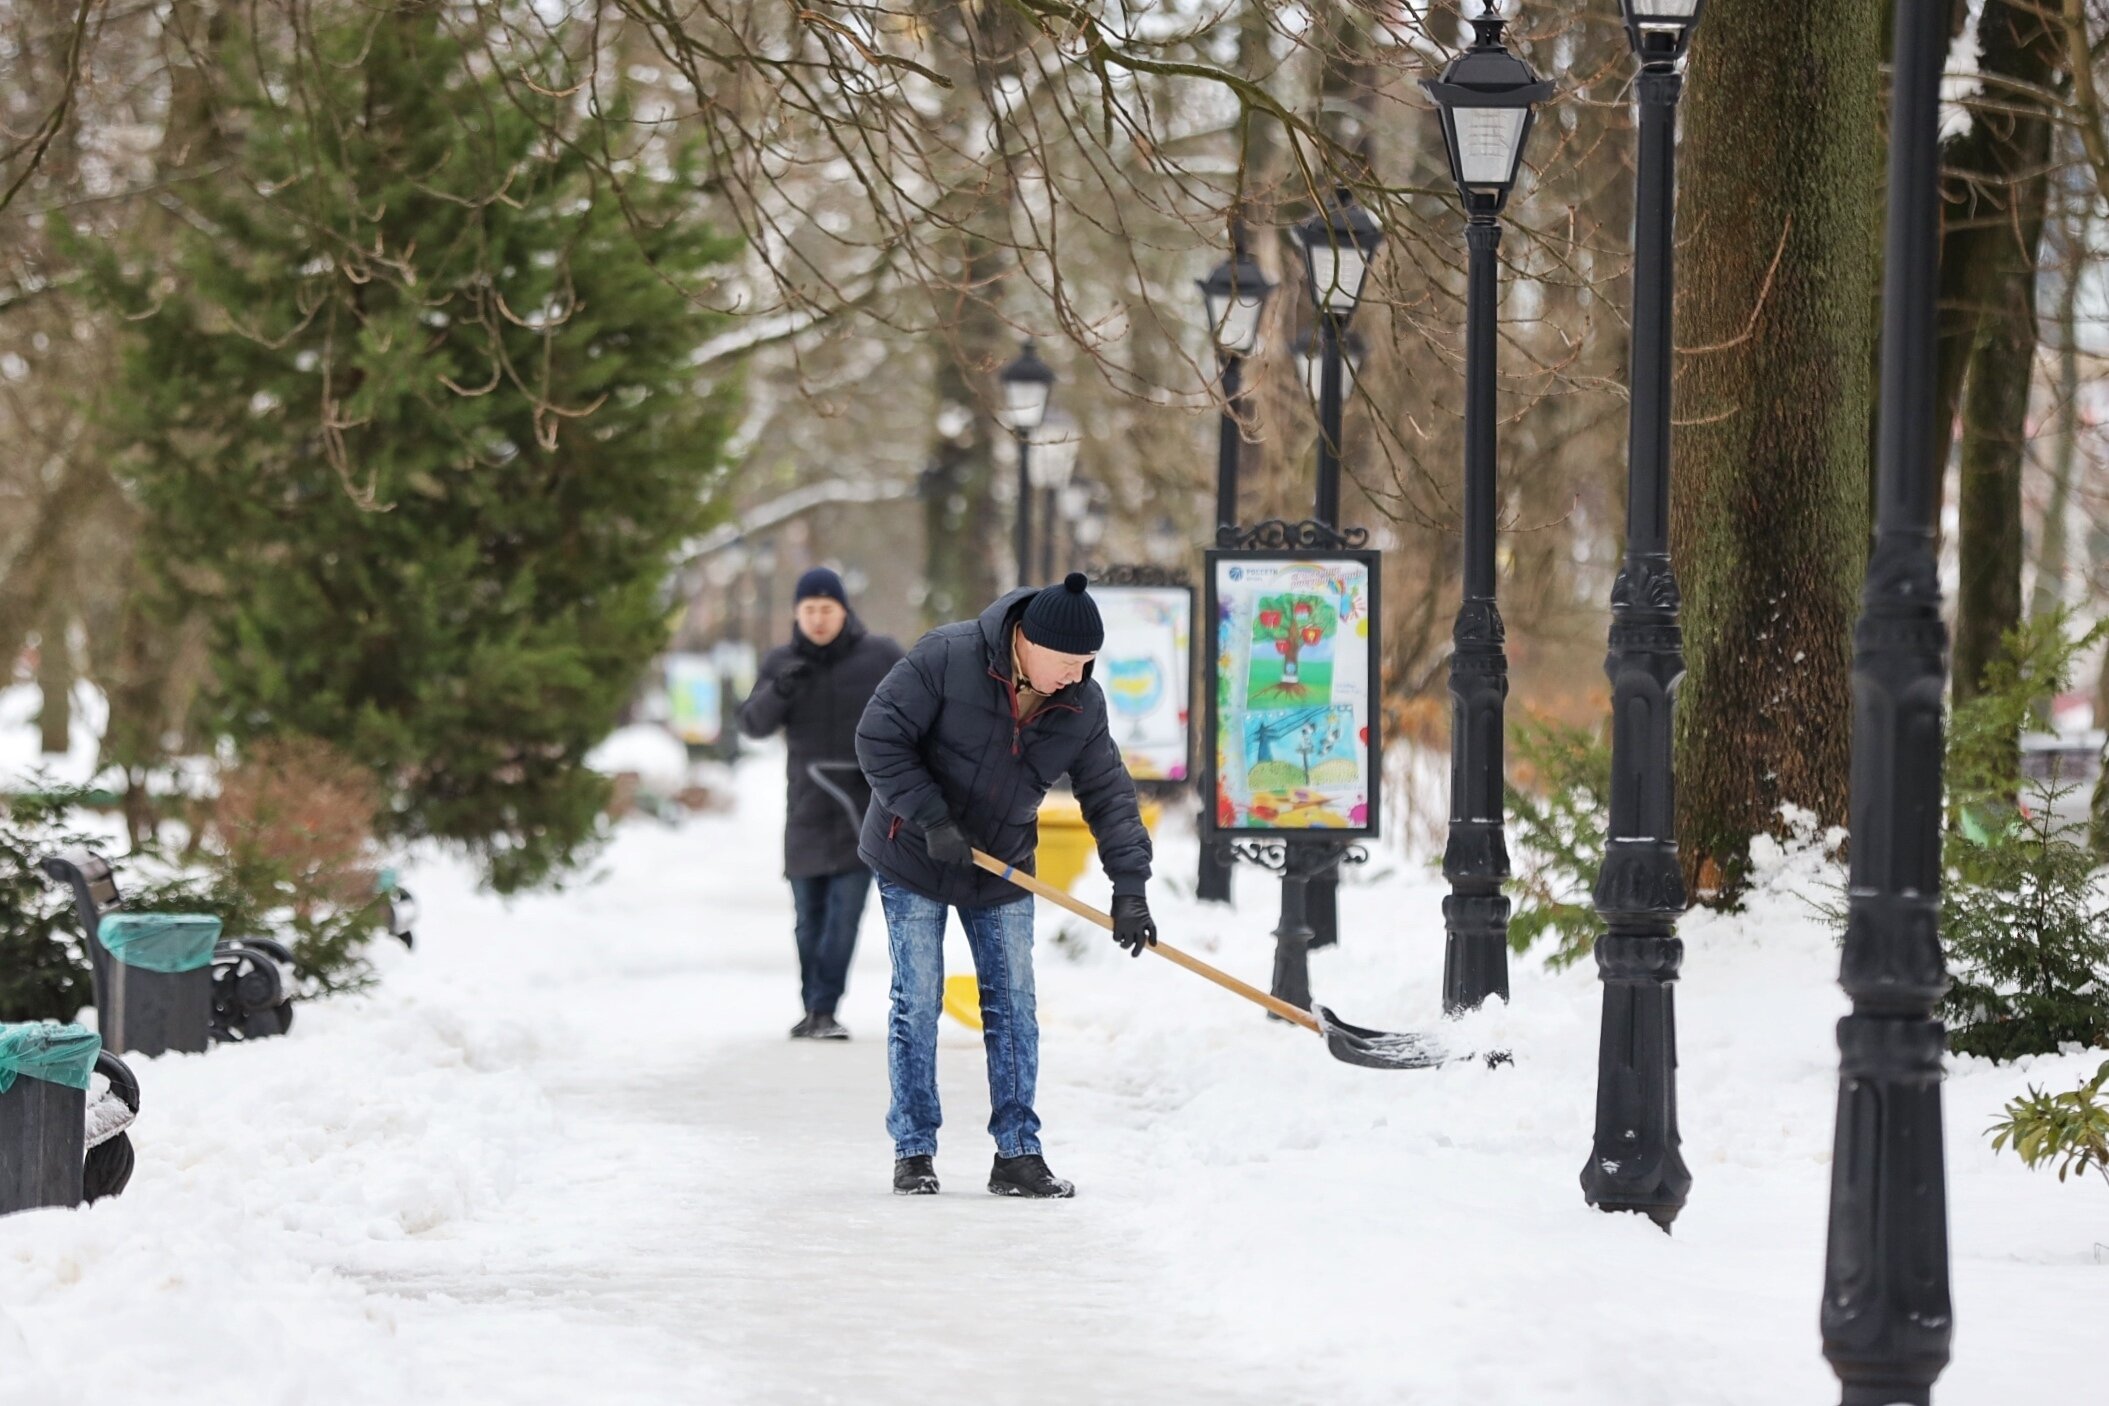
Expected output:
(1781, 168)
(1996, 180)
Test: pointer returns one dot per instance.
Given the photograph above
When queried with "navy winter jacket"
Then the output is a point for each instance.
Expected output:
(819, 721)
(942, 739)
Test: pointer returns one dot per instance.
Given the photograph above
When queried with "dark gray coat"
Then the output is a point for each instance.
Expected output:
(942, 738)
(820, 727)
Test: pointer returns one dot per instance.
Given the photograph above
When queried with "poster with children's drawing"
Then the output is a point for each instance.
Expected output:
(695, 699)
(1293, 691)
(1143, 668)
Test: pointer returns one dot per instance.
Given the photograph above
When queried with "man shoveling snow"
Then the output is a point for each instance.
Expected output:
(960, 744)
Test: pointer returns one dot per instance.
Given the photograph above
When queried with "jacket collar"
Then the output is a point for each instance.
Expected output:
(834, 649)
(996, 623)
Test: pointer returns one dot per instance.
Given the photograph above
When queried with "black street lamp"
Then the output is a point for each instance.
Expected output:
(1338, 244)
(1055, 446)
(1027, 384)
(1487, 97)
(1234, 296)
(1887, 1320)
(1322, 898)
(1635, 1163)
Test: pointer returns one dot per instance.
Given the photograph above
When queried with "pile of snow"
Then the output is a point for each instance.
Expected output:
(646, 750)
(22, 757)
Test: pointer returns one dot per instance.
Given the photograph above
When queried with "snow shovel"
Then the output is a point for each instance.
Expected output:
(1350, 1044)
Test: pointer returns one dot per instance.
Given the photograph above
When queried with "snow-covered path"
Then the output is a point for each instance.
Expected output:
(564, 1153)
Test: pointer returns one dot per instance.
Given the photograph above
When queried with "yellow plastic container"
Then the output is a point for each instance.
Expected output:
(963, 999)
(1065, 840)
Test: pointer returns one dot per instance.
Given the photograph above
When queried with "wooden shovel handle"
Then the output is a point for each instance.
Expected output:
(1163, 949)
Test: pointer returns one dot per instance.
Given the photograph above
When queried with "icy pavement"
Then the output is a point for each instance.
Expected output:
(564, 1153)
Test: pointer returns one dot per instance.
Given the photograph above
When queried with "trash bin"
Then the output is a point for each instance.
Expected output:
(1066, 845)
(44, 1069)
(160, 981)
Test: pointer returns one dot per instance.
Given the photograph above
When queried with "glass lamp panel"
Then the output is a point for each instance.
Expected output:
(1646, 10)
(1025, 403)
(1487, 139)
(1237, 323)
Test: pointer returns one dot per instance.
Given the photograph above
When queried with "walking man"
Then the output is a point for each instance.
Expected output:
(815, 689)
(960, 744)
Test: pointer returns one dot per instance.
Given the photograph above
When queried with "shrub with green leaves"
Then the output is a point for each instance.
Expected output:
(2025, 915)
(1557, 826)
(2069, 1129)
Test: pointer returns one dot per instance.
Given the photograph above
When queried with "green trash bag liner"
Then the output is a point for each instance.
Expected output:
(44, 1049)
(162, 942)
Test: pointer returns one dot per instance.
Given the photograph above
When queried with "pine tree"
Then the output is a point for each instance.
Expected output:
(412, 418)
(2026, 918)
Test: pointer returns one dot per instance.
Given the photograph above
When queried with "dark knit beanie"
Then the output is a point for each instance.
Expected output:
(1062, 618)
(820, 582)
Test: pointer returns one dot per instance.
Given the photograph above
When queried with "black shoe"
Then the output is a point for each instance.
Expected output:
(823, 1026)
(1027, 1176)
(804, 1029)
(914, 1176)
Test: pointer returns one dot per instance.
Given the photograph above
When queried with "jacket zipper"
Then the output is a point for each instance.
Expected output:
(1010, 686)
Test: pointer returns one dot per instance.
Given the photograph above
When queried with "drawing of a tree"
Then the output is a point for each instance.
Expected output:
(1293, 621)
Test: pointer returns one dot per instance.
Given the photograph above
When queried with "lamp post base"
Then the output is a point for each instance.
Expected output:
(1475, 951)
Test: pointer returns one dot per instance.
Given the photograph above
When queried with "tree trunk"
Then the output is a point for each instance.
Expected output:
(964, 530)
(1995, 440)
(1997, 183)
(1991, 199)
(1782, 159)
(2055, 539)
(55, 681)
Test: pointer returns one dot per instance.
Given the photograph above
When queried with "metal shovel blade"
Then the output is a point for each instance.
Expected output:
(1378, 1049)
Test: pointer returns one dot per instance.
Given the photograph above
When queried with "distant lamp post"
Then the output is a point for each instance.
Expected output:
(1234, 297)
(1634, 1161)
(1487, 97)
(1089, 525)
(1661, 30)
(1055, 445)
(1310, 364)
(1027, 383)
(1339, 243)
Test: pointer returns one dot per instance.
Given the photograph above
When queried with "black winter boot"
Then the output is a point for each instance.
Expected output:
(824, 1026)
(804, 1029)
(914, 1176)
(1027, 1176)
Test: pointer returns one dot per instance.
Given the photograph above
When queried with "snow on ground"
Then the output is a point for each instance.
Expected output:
(564, 1153)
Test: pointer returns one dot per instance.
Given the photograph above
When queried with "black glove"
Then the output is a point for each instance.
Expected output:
(793, 677)
(1133, 928)
(947, 845)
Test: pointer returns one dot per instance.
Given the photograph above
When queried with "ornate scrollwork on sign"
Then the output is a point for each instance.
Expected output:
(1120, 574)
(1275, 535)
(1293, 856)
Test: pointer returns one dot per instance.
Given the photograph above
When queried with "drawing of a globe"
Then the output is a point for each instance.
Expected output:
(1135, 686)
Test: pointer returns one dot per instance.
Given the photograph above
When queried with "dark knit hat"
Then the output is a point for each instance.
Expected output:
(1062, 618)
(820, 582)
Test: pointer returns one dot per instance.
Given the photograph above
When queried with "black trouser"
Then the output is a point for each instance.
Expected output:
(829, 909)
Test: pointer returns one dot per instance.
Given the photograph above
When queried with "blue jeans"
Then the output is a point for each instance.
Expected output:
(1001, 940)
(829, 908)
